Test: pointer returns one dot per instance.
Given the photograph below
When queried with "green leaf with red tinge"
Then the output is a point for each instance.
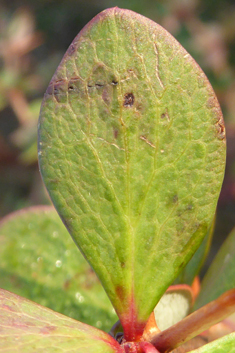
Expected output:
(40, 261)
(132, 152)
(221, 275)
(28, 327)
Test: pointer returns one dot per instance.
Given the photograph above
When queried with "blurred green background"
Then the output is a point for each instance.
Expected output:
(33, 38)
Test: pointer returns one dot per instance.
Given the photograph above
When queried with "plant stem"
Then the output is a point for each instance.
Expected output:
(195, 323)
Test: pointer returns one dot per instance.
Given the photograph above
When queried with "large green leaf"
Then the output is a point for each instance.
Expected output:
(132, 152)
(39, 260)
(225, 344)
(28, 327)
(221, 275)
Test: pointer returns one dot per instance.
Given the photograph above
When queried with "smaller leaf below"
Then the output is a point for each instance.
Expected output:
(39, 261)
(28, 327)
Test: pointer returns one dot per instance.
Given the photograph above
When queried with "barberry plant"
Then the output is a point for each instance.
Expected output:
(132, 152)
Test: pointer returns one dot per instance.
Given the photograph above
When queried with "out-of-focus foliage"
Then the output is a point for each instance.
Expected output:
(40, 261)
(33, 38)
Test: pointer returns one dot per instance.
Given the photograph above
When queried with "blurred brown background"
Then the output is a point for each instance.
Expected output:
(33, 38)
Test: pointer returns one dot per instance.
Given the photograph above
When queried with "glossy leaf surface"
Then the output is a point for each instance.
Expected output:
(40, 261)
(221, 275)
(225, 344)
(28, 327)
(132, 150)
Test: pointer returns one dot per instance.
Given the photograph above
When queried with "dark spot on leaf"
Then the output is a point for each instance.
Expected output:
(76, 87)
(129, 100)
(175, 198)
(120, 292)
(144, 138)
(115, 133)
(165, 116)
(98, 77)
(123, 264)
(212, 104)
(59, 87)
(114, 83)
(221, 129)
(189, 207)
(99, 85)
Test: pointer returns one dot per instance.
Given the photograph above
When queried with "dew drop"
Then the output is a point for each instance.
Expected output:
(58, 263)
(79, 297)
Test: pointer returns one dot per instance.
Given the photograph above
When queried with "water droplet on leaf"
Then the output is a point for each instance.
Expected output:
(58, 263)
